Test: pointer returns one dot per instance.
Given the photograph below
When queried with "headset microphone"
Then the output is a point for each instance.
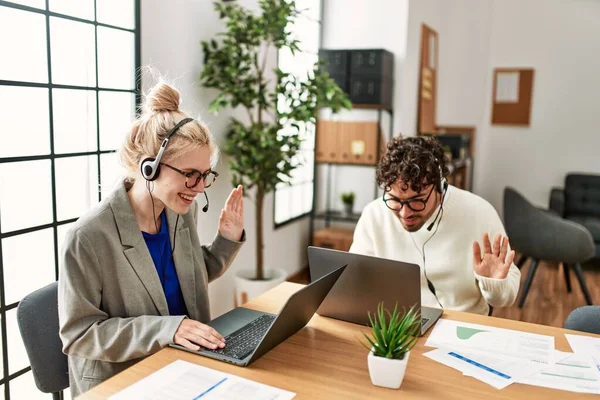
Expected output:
(205, 208)
(430, 227)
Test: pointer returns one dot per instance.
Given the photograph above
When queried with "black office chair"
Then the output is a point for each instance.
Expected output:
(543, 235)
(37, 316)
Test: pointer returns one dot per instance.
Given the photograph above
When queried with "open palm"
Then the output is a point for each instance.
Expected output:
(231, 221)
(495, 262)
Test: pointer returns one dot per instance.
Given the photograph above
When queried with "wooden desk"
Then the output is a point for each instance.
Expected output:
(325, 361)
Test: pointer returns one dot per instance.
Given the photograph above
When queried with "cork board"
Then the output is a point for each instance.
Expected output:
(511, 96)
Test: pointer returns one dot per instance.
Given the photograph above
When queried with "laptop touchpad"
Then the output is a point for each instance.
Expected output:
(234, 320)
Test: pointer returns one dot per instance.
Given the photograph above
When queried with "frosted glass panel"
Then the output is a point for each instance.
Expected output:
(26, 30)
(112, 173)
(20, 134)
(282, 199)
(310, 9)
(76, 186)
(24, 387)
(25, 194)
(28, 263)
(41, 4)
(17, 357)
(116, 116)
(76, 8)
(73, 52)
(116, 64)
(116, 12)
(74, 120)
(307, 32)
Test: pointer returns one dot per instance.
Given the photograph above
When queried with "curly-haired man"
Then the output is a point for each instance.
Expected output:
(423, 220)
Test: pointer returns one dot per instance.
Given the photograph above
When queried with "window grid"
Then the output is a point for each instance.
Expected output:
(314, 15)
(9, 375)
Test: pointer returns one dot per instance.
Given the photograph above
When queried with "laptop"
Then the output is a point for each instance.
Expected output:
(366, 282)
(249, 334)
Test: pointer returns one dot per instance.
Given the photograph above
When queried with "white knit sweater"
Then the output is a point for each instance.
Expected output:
(448, 255)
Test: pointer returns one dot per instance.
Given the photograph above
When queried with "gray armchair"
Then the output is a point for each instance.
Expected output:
(542, 235)
(584, 319)
(579, 201)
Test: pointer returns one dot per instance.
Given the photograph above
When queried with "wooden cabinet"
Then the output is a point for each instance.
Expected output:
(333, 238)
(349, 142)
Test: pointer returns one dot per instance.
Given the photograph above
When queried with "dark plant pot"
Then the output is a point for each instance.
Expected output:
(348, 209)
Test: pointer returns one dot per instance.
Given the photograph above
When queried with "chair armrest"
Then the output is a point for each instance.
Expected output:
(557, 201)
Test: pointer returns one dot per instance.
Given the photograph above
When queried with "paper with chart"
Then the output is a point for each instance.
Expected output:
(489, 369)
(501, 343)
(574, 372)
(184, 380)
(586, 345)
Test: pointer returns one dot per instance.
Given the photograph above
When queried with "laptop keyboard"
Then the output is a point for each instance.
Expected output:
(242, 342)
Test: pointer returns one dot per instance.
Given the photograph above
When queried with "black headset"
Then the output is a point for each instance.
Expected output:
(442, 186)
(150, 167)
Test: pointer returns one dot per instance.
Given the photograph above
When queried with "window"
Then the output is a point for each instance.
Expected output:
(294, 200)
(67, 97)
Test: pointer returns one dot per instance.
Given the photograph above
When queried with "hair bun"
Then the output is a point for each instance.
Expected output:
(163, 97)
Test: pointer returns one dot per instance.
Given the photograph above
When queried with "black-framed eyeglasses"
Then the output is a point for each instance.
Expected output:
(193, 178)
(395, 204)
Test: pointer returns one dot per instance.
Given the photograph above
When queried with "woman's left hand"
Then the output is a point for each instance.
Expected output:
(231, 221)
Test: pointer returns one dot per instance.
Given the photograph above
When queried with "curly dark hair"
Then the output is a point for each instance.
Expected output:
(415, 160)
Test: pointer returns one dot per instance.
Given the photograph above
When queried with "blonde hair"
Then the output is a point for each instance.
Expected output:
(160, 113)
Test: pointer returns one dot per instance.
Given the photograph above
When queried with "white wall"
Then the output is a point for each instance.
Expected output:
(171, 34)
(362, 24)
(559, 39)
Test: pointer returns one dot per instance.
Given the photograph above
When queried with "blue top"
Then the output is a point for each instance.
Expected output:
(159, 246)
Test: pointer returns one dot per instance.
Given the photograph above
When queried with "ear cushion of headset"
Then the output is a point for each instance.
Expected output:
(147, 169)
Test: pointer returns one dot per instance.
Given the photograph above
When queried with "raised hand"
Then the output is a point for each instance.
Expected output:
(231, 221)
(495, 262)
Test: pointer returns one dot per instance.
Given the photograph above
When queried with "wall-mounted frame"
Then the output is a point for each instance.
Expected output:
(511, 96)
(428, 66)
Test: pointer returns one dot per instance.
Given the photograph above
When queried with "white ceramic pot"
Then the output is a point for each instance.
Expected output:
(246, 287)
(387, 372)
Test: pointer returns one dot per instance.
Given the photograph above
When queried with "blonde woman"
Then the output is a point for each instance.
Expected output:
(134, 276)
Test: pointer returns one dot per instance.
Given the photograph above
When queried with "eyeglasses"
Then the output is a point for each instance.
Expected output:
(395, 204)
(193, 178)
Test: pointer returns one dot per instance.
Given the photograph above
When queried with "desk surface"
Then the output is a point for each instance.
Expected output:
(325, 360)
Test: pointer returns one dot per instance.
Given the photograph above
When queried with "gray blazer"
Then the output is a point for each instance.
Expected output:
(111, 305)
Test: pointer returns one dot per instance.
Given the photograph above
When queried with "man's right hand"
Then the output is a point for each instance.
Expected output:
(193, 334)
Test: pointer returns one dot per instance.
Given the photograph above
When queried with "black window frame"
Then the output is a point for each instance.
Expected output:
(6, 378)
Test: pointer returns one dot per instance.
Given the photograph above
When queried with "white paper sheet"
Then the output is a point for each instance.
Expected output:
(184, 380)
(507, 87)
(491, 370)
(574, 372)
(586, 345)
(501, 343)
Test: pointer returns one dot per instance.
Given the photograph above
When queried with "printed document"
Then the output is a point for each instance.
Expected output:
(574, 372)
(501, 343)
(184, 380)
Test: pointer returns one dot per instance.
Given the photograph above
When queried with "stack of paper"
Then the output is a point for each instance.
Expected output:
(184, 380)
(501, 357)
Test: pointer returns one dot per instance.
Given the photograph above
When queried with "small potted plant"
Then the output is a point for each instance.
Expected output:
(393, 336)
(348, 201)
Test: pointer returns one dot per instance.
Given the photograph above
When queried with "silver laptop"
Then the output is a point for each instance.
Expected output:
(367, 282)
(249, 334)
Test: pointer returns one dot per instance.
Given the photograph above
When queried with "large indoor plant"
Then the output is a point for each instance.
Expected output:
(262, 149)
(393, 335)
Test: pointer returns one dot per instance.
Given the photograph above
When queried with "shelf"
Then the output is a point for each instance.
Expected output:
(334, 215)
(346, 164)
(371, 107)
